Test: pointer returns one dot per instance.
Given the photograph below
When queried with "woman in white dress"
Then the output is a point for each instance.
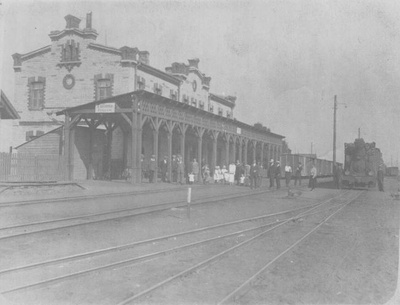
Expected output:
(232, 170)
(217, 174)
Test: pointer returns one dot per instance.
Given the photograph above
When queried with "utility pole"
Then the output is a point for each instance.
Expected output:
(359, 133)
(334, 132)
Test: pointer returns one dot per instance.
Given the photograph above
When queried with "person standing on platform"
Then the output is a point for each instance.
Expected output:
(288, 174)
(164, 169)
(238, 172)
(278, 175)
(297, 175)
(206, 174)
(195, 170)
(259, 175)
(271, 173)
(225, 174)
(247, 175)
(380, 176)
(232, 171)
(253, 175)
(174, 169)
(152, 168)
(180, 170)
(313, 177)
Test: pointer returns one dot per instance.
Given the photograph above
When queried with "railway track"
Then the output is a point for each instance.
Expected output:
(87, 219)
(94, 196)
(216, 236)
(228, 261)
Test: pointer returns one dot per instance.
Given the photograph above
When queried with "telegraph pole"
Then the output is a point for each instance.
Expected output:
(334, 132)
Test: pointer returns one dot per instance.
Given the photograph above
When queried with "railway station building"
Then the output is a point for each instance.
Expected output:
(107, 109)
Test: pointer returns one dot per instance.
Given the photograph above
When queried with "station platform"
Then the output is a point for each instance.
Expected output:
(13, 192)
(34, 191)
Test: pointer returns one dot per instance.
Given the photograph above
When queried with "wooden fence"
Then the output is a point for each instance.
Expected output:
(27, 167)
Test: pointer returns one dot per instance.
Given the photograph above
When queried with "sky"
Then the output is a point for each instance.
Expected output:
(284, 60)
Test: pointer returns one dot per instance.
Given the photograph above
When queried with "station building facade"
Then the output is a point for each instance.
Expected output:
(107, 109)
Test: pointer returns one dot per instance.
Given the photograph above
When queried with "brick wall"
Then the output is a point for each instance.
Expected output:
(48, 144)
(150, 80)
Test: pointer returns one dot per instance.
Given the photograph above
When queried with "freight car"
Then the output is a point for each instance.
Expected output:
(361, 164)
(324, 167)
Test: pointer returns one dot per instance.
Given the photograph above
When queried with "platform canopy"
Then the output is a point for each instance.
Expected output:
(134, 110)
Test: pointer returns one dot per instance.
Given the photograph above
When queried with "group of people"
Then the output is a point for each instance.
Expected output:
(179, 175)
(234, 173)
(241, 174)
(274, 174)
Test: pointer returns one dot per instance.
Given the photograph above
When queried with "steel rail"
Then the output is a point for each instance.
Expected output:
(130, 245)
(219, 255)
(252, 278)
(150, 256)
(169, 205)
(92, 215)
(95, 196)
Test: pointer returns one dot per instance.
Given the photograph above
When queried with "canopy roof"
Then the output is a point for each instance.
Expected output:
(123, 104)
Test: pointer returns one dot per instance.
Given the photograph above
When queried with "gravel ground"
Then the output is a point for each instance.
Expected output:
(352, 259)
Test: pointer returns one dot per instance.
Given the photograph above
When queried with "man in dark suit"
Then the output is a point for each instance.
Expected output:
(164, 169)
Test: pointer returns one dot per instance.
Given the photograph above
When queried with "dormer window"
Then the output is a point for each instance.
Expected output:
(173, 95)
(141, 83)
(157, 89)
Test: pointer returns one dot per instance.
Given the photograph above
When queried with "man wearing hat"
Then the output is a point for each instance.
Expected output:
(271, 173)
(152, 168)
(180, 170)
(278, 174)
(164, 168)
(174, 169)
(297, 176)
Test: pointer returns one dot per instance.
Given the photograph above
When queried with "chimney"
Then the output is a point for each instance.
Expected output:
(89, 20)
(144, 57)
(194, 63)
(72, 22)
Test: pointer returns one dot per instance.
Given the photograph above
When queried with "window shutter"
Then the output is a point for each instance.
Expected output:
(29, 135)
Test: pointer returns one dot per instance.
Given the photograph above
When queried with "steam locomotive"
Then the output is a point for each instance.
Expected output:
(361, 164)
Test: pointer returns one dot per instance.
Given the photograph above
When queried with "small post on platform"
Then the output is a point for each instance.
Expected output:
(189, 198)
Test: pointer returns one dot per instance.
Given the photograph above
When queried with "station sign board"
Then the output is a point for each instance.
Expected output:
(238, 130)
(105, 108)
